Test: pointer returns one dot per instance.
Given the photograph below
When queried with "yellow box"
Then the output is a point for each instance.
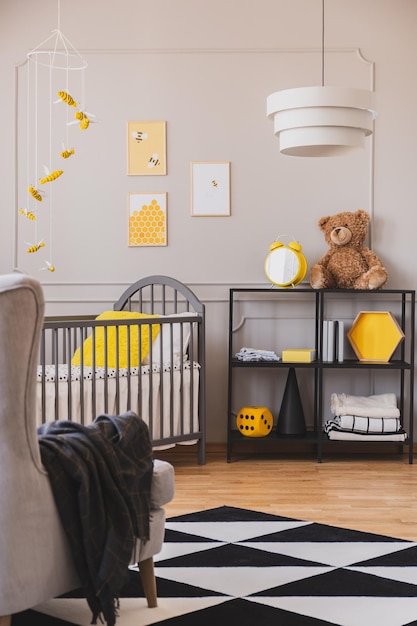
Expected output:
(254, 421)
(375, 335)
(298, 355)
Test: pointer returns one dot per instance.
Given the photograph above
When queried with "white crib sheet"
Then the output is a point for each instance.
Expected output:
(81, 396)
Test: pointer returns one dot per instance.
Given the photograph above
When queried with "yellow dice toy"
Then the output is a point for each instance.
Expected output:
(254, 421)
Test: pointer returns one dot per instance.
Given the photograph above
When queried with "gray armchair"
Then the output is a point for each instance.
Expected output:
(35, 560)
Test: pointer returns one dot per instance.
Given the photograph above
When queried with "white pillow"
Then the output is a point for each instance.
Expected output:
(179, 351)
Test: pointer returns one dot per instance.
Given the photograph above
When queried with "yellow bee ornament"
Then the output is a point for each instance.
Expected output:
(35, 193)
(50, 176)
(83, 119)
(34, 247)
(48, 266)
(66, 97)
(28, 214)
(66, 153)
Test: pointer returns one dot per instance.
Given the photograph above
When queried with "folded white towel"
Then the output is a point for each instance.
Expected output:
(380, 405)
(358, 424)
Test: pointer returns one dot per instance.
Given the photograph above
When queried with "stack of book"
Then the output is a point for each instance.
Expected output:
(333, 340)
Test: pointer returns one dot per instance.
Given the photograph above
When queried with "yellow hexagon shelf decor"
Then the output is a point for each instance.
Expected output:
(375, 335)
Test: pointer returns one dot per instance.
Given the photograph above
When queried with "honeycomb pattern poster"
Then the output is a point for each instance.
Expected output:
(148, 219)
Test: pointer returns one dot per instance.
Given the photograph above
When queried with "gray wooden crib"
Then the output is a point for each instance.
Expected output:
(147, 355)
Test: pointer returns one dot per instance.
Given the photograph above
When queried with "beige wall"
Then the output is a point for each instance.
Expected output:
(207, 68)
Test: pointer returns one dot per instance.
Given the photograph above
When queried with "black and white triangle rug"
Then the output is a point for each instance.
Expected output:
(232, 565)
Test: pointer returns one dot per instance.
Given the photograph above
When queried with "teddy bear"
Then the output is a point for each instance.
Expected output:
(348, 264)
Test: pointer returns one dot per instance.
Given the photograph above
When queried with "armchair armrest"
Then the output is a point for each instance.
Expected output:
(163, 483)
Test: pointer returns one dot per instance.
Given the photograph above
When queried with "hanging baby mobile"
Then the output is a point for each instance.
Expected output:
(55, 115)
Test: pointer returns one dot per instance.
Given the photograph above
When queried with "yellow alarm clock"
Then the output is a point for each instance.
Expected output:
(285, 265)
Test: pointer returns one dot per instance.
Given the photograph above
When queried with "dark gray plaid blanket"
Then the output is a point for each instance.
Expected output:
(101, 479)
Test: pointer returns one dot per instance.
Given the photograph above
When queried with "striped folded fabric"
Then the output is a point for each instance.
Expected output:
(360, 424)
(335, 432)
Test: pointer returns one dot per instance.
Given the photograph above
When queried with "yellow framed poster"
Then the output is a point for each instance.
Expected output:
(147, 219)
(146, 148)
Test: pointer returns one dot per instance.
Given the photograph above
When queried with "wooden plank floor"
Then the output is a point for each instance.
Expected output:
(373, 493)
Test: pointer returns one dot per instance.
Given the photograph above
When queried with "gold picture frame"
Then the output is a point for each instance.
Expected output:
(146, 148)
(147, 219)
(210, 188)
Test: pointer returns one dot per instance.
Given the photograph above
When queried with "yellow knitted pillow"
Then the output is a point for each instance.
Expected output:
(112, 332)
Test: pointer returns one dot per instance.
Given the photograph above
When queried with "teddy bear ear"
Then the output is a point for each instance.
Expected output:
(323, 221)
(363, 215)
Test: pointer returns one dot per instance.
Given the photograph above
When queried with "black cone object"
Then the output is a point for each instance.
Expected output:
(291, 421)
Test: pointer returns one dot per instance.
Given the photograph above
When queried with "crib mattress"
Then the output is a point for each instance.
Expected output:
(166, 397)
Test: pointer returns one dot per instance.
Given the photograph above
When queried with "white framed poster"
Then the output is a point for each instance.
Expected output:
(210, 188)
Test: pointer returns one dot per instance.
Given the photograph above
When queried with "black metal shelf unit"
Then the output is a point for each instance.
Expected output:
(319, 303)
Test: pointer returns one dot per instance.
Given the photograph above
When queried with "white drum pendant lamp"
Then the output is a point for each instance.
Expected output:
(321, 121)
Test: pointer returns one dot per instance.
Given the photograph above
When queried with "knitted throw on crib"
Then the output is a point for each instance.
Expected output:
(101, 479)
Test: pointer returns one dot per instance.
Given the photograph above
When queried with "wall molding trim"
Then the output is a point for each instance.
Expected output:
(299, 50)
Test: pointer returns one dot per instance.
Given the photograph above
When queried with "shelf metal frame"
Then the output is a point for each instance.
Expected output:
(404, 365)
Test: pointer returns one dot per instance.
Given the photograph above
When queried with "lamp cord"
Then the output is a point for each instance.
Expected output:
(322, 44)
